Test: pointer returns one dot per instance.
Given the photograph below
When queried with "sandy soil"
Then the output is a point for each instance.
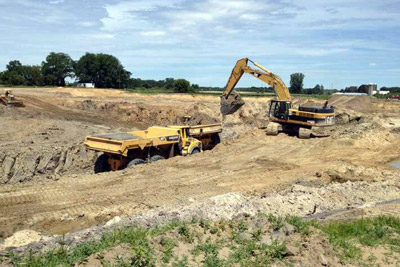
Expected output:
(46, 178)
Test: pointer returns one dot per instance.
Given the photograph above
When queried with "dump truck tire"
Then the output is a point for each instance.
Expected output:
(216, 139)
(135, 162)
(101, 164)
(156, 158)
(195, 151)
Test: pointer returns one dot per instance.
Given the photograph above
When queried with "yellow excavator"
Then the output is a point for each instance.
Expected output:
(282, 115)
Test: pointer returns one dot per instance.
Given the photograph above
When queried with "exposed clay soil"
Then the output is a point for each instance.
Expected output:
(47, 182)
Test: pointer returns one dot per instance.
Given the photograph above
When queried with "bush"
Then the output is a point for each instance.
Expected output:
(181, 86)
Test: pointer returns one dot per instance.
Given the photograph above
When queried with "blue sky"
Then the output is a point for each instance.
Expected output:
(335, 42)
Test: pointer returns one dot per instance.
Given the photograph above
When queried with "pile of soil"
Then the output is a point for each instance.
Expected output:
(355, 103)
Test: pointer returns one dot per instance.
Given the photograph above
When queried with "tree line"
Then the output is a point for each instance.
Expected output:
(105, 71)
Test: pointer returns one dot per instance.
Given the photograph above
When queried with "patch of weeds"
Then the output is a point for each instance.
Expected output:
(182, 262)
(214, 229)
(194, 220)
(204, 224)
(257, 234)
(222, 225)
(300, 226)
(121, 262)
(162, 229)
(142, 253)
(277, 222)
(210, 254)
(185, 233)
(168, 245)
(254, 254)
(371, 259)
(242, 226)
(277, 250)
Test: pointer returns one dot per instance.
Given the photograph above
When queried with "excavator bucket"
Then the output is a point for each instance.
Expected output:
(231, 104)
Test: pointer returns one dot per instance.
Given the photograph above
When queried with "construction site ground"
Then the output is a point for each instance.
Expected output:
(47, 182)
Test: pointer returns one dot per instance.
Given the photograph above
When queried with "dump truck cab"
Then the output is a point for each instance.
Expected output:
(189, 145)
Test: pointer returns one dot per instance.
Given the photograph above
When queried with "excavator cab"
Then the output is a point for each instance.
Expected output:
(279, 109)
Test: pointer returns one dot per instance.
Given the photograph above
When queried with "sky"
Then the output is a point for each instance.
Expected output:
(336, 43)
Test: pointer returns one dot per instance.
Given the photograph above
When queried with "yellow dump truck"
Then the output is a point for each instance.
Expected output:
(122, 150)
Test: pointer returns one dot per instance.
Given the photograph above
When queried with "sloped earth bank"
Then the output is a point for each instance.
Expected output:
(350, 200)
(47, 180)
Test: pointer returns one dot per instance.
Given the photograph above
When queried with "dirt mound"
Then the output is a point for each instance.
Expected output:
(21, 238)
(355, 103)
(142, 115)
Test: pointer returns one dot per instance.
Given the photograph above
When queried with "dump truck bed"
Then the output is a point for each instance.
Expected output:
(205, 129)
(120, 143)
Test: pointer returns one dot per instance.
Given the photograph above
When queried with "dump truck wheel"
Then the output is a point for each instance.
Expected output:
(101, 164)
(135, 162)
(304, 133)
(195, 151)
(156, 158)
(216, 139)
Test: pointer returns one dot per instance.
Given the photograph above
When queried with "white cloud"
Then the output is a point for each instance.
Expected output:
(55, 2)
(372, 64)
(86, 23)
(126, 15)
(152, 33)
(101, 36)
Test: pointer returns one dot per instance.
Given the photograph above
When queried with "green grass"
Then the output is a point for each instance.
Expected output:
(348, 239)
(347, 236)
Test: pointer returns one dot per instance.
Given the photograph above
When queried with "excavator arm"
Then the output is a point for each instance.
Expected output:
(230, 104)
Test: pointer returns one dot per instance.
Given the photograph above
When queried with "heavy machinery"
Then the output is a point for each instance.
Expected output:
(282, 115)
(8, 99)
(122, 150)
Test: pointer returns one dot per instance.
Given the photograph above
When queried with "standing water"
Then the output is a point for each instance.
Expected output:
(396, 164)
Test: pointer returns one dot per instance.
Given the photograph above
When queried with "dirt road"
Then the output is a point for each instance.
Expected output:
(48, 185)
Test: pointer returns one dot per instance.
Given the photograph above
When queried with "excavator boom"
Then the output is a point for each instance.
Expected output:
(230, 104)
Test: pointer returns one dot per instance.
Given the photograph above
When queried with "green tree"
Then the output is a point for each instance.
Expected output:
(169, 83)
(194, 88)
(181, 86)
(296, 83)
(32, 75)
(105, 71)
(56, 68)
(351, 89)
(86, 68)
(13, 74)
(14, 78)
(14, 65)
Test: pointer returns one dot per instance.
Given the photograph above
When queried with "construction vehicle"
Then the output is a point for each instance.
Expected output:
(8, 99)
(282, 115)
(122, 150)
